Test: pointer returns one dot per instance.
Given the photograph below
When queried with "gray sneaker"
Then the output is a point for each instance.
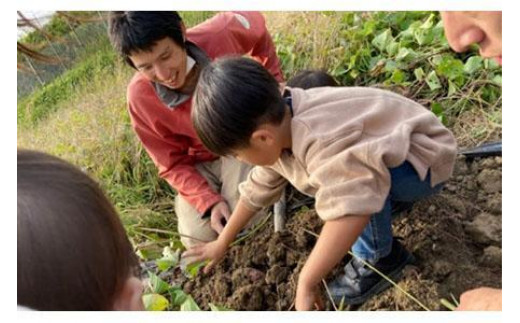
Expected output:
(359, 282)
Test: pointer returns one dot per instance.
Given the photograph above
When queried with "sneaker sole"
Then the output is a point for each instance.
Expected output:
(379, 287)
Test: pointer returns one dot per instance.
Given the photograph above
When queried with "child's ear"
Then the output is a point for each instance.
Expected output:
(130, 296)
(262, 136)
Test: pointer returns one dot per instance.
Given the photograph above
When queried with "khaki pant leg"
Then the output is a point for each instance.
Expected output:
(190, 221)
(233, 173)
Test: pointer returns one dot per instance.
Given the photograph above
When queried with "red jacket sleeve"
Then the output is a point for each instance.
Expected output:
(240, 32)
(169, 151)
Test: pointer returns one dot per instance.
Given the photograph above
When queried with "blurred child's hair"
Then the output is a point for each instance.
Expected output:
(308, 79)
(135, 31)
(233, 97)
(73, 252)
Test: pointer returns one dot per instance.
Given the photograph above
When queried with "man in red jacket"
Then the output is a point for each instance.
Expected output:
(168, 59)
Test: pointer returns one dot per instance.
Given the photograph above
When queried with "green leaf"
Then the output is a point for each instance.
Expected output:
(433, 81)
(157, 285)
(148, 254)
(405, 53)
(178, 296)
(392, 48)
(419, 73)
(170, 259)
(497, 80)
(164, 264)
(429, 22)
(368, 28)
(390, 66)
(490, 64)
(383, 39)
(423, 36)
(438, 110)
(354, 74)
(452, 88)
(189, 305)
(450, 67)
(215, 308)
(155, 302)
(438, 30)
(410, 31)
(398, 76)
(473, 64)
(193, 269)
(177, 245)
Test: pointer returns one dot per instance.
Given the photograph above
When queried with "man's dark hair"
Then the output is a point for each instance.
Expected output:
(233, 97)
(134, 31)
(308, 79)
(73, 252)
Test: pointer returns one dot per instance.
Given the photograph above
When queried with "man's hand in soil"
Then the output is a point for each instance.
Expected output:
(481, 299)
(219, 216)
(213, 251)
(307, 298)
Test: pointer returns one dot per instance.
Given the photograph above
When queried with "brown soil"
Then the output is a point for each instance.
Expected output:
(455, 237)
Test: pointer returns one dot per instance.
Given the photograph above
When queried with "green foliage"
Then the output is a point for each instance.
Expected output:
(157, 285)
(57, 27)
(192, 18)
(160, 296)
(405, 52)
(192, 270)
(46, 100)
(177, 295)
(216, 308)
(155, 302)
(189, 305)
(170, 259)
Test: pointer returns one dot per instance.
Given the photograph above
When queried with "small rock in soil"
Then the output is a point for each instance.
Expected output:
(246, 276)
(485, 228)
(492, 256)
(277, 274)
(248, 298)
(490, 180)
(494, 204)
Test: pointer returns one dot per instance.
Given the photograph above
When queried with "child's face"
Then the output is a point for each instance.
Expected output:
(255, 156)
(464, 28)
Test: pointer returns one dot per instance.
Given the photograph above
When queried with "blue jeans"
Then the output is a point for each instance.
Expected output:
(375, 241)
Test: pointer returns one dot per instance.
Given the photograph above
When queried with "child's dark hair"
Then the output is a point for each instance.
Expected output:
(73, 252)
(233, 97)
(134, 31)
(311, 78)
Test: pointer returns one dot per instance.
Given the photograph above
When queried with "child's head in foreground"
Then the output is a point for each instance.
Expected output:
(73, 252)
(238, 110)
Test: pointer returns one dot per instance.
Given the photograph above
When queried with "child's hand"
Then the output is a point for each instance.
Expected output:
(307, 298)
(213, 251)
